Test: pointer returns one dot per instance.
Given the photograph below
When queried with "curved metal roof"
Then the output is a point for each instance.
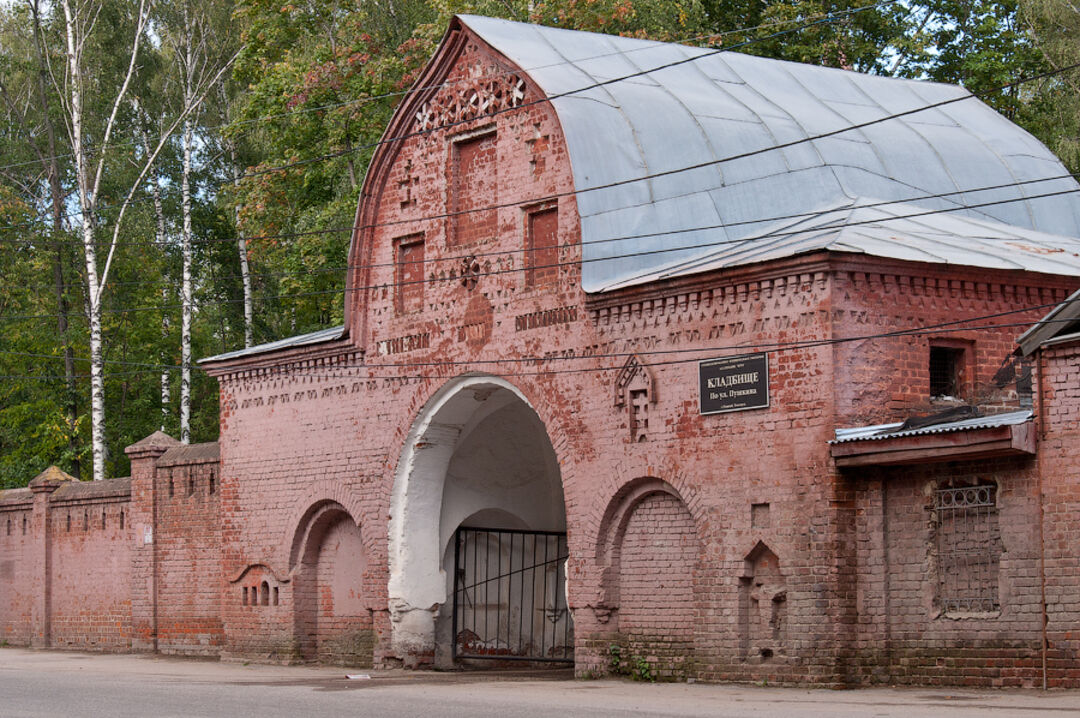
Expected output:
(724, 104)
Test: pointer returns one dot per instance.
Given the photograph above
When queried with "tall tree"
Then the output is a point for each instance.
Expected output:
(1055, 29)
(80, 19)
(29, 102)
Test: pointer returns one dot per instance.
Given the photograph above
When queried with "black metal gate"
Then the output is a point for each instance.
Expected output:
(510, 596)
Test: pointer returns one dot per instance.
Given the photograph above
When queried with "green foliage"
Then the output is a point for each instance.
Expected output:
(615, 659)
(636, 667)
(1054, 27)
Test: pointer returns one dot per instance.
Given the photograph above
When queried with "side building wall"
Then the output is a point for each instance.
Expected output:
(1059, 462)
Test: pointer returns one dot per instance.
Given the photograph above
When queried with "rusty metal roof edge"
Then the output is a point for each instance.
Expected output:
(1044, 330)
(879, 432)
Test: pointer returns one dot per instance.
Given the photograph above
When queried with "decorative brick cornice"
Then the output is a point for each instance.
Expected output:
(687, 296)
(300, 368)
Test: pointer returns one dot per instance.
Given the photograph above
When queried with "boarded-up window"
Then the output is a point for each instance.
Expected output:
(542, 245)
(409, 272)
(473, 190)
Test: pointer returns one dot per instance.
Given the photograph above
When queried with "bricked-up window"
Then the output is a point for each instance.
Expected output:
(409, 273)
(968, 542)
(473, 188)
(946, 372)
(541, 245)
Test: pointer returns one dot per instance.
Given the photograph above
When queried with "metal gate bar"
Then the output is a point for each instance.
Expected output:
(505, 563)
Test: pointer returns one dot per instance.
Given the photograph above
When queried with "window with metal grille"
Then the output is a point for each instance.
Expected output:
(968, 541)
(946, 364)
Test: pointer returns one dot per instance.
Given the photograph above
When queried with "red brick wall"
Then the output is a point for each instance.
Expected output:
(342, 621)
(1059, 463)
(887, 378)
(188, 551)
(16, 568)
(657, 562)
(474, 189)
(78, 578)
(904, 635)
(90, 603)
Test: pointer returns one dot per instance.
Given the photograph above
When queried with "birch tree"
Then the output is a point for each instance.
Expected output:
(29, 110)
(80, 18)
(195, 37)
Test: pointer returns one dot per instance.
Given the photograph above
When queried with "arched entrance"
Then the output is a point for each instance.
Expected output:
(478, 478)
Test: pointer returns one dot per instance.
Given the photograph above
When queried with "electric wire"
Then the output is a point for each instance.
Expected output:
(450, 83)
(572, 262)
(713, 352)
(953, 325)
(458, 258)
(547, 98)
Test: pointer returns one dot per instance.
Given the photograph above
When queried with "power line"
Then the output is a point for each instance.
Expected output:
(956, 325)
(457, 258)
(358, 148)
(572, 262)
(679, 170)
(449, 83)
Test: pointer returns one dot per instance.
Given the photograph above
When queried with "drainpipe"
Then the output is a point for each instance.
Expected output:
(1041, 433)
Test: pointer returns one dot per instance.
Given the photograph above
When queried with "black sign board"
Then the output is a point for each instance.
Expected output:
(734, 383)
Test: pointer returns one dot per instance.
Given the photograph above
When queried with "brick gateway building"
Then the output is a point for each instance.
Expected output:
(627, 376)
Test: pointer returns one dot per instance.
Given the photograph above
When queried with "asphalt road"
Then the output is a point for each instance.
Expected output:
(52, 683)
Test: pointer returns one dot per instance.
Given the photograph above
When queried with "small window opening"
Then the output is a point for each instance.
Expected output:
(946, 367)
(265, 593)
(9, 527)
(275, 595)
(103, 519)
(121, 518)
(172, 489)
(24, 525)
(213, 488)
(69, 522)
(254, 595)
(85, 520)
(190, 485)
(245, 599)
